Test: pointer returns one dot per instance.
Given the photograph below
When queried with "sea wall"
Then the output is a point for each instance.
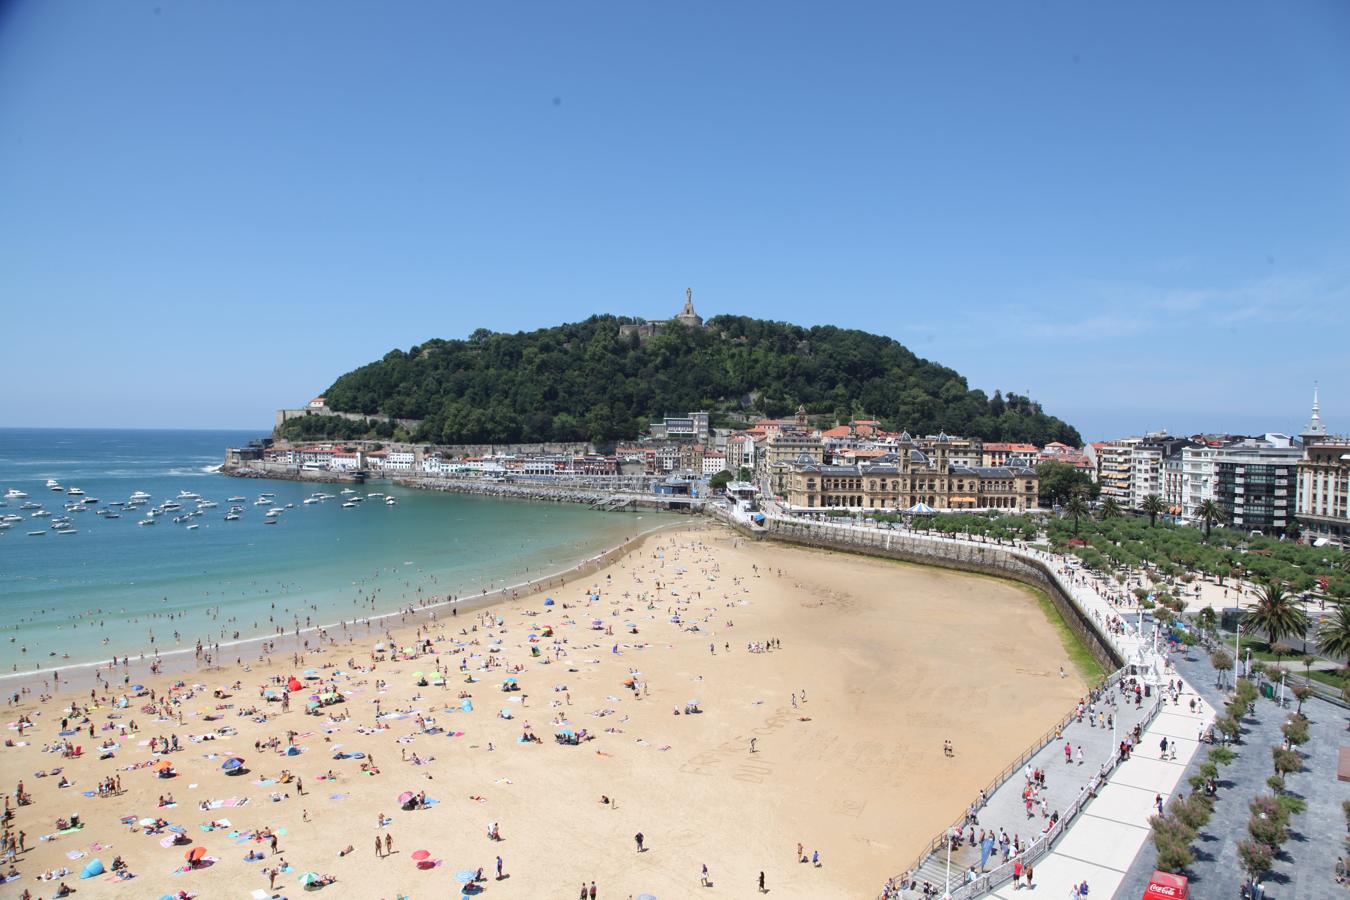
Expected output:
(553, 493)
(259, 469)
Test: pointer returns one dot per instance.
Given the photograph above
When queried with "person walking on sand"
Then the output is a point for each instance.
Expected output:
(637, 839)
(499, 869)
(703, 879)
(752, 744)
(379, 851)
(592, 890)
(762, 889)
(388, 843)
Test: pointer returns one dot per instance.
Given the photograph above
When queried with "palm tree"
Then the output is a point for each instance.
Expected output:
(1333, 638)
(1153, 505)
(1210, 513)
(1275, 614)
(1110, 508)
(1078, 508)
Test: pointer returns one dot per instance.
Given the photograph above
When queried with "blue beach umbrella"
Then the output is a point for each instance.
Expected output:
(232, 763)
(464, 876)
(92, 869)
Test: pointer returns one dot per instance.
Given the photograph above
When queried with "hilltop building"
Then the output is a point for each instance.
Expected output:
(647, 330)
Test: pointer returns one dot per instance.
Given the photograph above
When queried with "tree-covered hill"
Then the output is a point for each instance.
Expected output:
(582, 381)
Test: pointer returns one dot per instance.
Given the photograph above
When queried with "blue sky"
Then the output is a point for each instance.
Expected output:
(1139, 215)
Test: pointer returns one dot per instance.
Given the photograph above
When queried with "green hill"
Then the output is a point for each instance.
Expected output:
(582, 381)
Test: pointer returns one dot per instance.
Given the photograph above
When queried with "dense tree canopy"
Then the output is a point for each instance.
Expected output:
(582, 381)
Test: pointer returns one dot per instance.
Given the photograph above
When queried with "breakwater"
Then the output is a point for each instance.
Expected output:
(556, 493)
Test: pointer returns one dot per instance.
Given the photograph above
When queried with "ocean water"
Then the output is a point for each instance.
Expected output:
(111, 586)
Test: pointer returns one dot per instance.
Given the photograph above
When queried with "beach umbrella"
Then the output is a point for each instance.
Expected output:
(294, 685)
(146, 822)
(693, 703)
(419, 855)
(464, 876)
(138, 687)
(92, 869)
(234, 762)
(646, 897)
(405, 797)
(195, 854)
(309, 877)
(163, 764)
(506, 713)
(548, 601)
(292, 751)
(511, 681)
(311, 673)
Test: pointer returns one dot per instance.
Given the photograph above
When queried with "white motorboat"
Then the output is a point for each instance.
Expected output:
(261, 502)
(41, 514)
(275, 511)
(232, 517)
(90, 499)
(113, 515)
(14, 494)
(207, 504)
(36, 533)
(188, 495)
(349, 505)
(146, 522)
(193, 527)
(6, 525)
(29, 504)
(308, 500)
(234, 499)
(139, 495)
(54, 485)
(75, 492)
(390, 501)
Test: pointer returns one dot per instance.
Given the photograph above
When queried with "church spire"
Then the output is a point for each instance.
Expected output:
(1314, 429)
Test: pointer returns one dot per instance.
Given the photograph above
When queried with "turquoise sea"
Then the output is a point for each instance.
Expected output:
(105, 589)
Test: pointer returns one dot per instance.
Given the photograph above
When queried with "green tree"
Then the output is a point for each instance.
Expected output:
(1222, 663)
(1076, 509)
(743, 474)
(1110, 509)
(1060, 481)
(1154, 507)
(1210, 513)
(719, 480)
(1276, 614)
(1333, 637)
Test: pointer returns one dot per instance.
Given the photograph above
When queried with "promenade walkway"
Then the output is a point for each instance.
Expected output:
(1106, 803)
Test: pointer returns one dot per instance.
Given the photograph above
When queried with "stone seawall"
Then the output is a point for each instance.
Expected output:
(290, 473)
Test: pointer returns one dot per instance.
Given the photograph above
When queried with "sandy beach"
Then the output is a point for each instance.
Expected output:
(846, 673)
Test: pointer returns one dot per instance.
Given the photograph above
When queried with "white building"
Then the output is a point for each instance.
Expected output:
(714, 462)
(399, 460)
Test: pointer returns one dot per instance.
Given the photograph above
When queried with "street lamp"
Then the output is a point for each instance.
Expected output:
(1237, 649)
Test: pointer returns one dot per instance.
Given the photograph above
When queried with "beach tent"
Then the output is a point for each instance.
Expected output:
(195, 854)
(921, 509)
(292, 750)
(92, 869)
(294, 685)
(1166, 886)
(466, 705)
(548, 601)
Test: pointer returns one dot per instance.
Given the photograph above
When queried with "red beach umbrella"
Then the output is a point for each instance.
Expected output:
(419, 855)
(195, 854)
